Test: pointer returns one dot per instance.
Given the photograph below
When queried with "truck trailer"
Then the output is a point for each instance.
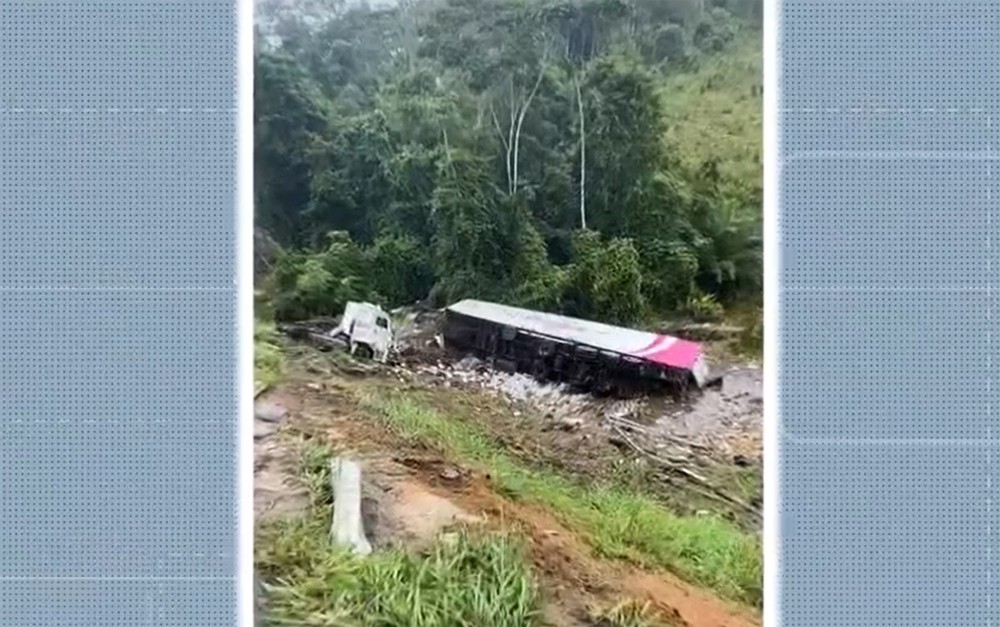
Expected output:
(600, 357)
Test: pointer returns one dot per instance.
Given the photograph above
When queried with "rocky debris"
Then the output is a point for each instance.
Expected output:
(263, 429)
(727, 420)
(570, 424)
(720, 423)
(269, 412)
(266, 251)
(418, 334)
(276, 494)
(267, 419)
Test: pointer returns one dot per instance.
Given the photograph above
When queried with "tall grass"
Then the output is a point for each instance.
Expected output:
(268, 360)
(463, 580)
(467, 580)
(616, 522)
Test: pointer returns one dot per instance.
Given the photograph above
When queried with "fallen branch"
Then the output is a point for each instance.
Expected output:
(635, 426)
(675, 464)
(685, 442)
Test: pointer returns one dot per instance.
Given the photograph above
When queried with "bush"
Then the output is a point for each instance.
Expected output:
(320, 284)
(268, 360)
(703, 308)
(401, 270)
(605, 280)
(669, 43)
(716, 29)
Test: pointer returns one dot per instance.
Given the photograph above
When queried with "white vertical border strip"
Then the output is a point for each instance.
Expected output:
(772, 274)
(244, 301)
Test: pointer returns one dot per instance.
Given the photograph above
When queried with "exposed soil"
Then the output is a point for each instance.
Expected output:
(584, 445)
(411, 497)
(276, 491)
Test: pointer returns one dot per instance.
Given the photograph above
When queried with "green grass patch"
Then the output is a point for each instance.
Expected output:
(616, 522)
(268, 359)
(466, 579)
(463, 579)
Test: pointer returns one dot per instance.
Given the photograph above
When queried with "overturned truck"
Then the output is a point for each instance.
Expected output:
(599, 357)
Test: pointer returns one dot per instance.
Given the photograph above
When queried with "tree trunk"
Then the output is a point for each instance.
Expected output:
(511, 181)
(503, 140)
(520, 121)
(583, 159)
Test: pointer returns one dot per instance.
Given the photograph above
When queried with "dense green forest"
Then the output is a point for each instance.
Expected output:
(599, 158)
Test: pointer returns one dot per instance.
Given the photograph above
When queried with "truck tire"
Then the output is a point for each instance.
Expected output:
(539, 370)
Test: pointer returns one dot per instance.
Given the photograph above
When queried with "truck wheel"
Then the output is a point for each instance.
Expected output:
(539, 370)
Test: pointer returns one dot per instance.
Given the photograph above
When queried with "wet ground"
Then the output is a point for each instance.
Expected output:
(725, 419)
(410, 498)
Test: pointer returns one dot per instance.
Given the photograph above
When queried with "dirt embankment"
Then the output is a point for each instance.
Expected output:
(412, 496)
(702, 452)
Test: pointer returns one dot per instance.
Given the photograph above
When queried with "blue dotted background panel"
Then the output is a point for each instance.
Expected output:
(120, 602)
(812, 131)
(859, 364)
(885, 221)
(892, 54)
(118, 339)
(118, 54)
(887, 362)
(78, 209)
(887, 534)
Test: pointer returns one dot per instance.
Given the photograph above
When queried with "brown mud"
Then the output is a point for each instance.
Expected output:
(413, 496)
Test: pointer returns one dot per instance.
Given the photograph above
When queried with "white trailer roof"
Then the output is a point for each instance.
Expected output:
(661, 349)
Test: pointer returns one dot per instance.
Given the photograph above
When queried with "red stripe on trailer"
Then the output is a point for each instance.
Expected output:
(677, 354)
(661, 342)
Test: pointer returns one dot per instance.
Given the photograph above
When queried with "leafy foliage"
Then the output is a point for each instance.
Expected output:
(535, 152)
(268, 360)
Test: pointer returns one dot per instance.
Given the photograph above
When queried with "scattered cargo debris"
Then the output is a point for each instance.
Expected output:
(599, 357)
(592, 357)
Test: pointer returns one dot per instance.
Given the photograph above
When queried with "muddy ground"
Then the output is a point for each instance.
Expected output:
(696, 451)
(412, 497)
(698, 455)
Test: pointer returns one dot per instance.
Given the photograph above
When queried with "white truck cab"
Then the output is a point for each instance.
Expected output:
(368, 327)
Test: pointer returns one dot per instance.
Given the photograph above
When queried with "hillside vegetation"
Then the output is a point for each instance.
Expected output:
(599, 158)
(715, 111)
